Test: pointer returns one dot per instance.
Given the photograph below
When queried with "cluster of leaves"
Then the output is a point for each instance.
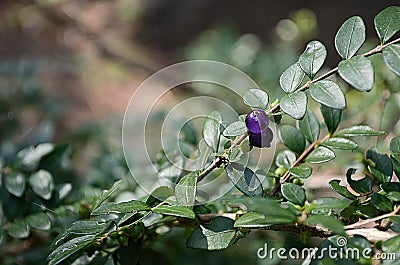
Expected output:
(116, 232)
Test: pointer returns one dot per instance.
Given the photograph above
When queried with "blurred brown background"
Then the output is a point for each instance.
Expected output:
(95, 53)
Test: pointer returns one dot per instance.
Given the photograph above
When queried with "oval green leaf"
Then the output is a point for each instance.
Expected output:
(244, 179)
(219, 234)
(381, 202)
(391, 56)
(327, 221)
(387, 23)
(295, 104)
(332, 117)
(19, 229)
(69, 248)
(291, 78)
(339, 143)
(350, 37)
(42, 184)
(185, 190)
(39, 221)
(320, 155)
(294, 193)
(293, 138)
(86, 227)
(235, 129)
(301, 171)
(309, 126)
(359, 130)
(256, 98)
(211, 130)
(361, 186)
(285, 158)
(313, 58)
(174, 210)
(358, 72)
(15, 183)
(122, 207)
(328, 93)
(334, 184)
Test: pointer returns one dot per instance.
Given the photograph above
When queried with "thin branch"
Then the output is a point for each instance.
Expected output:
(372, 220)
(217, 161)
(300, 159)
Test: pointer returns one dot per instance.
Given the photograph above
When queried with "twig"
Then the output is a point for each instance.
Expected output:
(372, 220)
(217, 161)
(300, 159)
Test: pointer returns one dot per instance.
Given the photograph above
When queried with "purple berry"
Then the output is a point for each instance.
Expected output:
(261, 139)
(257, 121)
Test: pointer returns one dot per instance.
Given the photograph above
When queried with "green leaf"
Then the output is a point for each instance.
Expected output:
(39, 221)
(31, 156)
(332, 117)
(391, 246)
(42, 184)
(173, 210)
(359, 130)
(244, 179)
(285, 158)
(271, 209)
(122, 207)
(301, 171)
(185, 190)
(328, 93)
(361, 186)
(391, 56)
(293, 138)
(328, 204)
(15, 183)
(256, 220)
(106, 194)
(219, 234)
(381, 202)
(334, 184)
(382, 163)
(387, 23)
(358, 72)
(159, 195)
(211, 130)
(339, 143)
(391, 186)
(395, 145)
(320, 155)
(327, 221)
(350, 37)
(309, 126)
(87, 227)
(294, 193)
(55, 157)
(294, 104)
(256, 98)
(291, 78)
(70, 247)
(235, 129)
(396, 163)
(313, 58)
(19, 229)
